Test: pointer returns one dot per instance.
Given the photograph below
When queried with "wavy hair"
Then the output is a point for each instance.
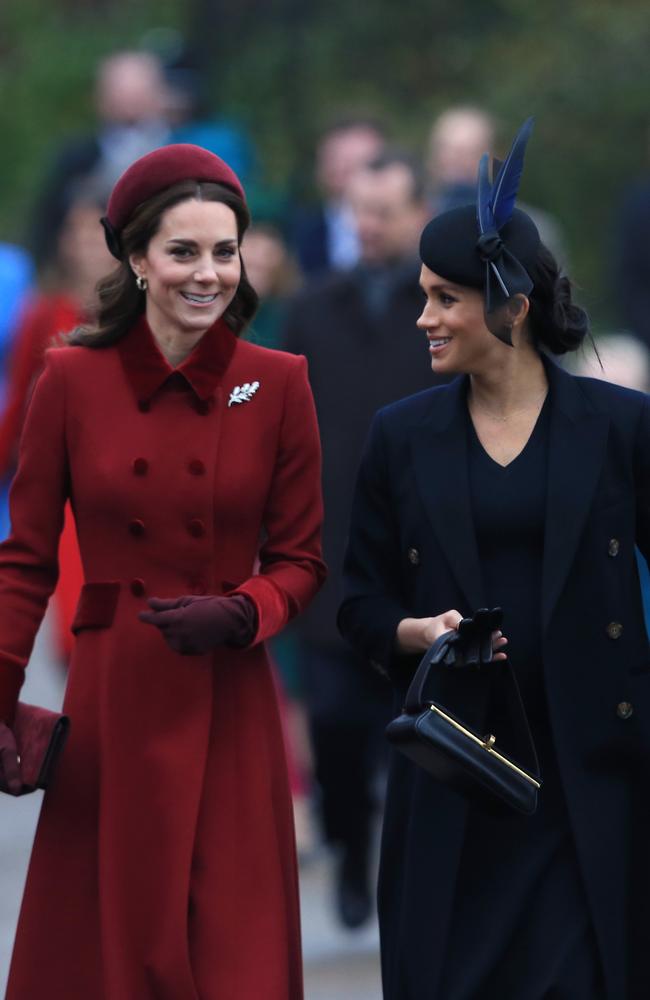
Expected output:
(121, 303)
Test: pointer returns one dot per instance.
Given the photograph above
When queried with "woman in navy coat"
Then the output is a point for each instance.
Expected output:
(521, 486)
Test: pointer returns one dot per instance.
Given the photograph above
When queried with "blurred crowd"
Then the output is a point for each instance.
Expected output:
(337, 278)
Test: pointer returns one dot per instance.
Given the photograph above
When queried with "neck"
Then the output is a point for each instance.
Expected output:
(174, 345)
(518, 384)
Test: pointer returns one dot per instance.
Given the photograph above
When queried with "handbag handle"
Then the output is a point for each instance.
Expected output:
(434, 656)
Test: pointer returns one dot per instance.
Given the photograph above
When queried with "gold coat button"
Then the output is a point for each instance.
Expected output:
(613, 548)
(614, 630)
(413, 557)
(624, 709)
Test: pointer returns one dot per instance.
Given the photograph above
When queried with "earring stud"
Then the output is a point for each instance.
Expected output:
(141, 282)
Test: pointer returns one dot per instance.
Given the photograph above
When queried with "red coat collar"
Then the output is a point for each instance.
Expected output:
(147, 369)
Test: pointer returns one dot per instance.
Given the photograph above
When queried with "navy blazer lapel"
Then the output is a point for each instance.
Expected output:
(577, 444)
(439, 449)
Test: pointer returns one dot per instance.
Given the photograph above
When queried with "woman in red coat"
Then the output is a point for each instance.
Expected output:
(164, 860)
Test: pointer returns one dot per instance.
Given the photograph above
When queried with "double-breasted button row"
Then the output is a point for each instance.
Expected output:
(195, 527)
(140, 467)
(625, 710)
(614, 630)
(613, 547)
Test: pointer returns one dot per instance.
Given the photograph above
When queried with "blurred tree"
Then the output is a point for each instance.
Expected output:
(285, 68)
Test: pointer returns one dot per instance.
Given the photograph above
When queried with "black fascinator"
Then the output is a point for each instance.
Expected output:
(491, 244)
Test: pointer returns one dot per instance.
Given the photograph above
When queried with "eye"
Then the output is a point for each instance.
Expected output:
(225, 253)
(181, 252)
(446, 299)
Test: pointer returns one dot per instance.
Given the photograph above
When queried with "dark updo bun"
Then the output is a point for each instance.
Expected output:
(555, 321)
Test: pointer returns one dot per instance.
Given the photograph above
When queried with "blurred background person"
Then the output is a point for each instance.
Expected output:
(273, 273)
(16, 277)
(324, 235)
(458, 138)
(131, 104)
(357, 330)
(76, 260)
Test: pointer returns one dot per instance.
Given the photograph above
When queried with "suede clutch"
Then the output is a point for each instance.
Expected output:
(451, 752)
(40, 737)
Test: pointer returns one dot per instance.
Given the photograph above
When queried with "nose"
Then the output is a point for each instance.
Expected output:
(428, 318)
(205, 270)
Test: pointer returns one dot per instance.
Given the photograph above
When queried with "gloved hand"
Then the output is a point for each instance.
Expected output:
(475, 641)
(10, 779)
(195, 625)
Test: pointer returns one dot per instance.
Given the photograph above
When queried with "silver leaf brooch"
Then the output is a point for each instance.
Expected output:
(242, 393)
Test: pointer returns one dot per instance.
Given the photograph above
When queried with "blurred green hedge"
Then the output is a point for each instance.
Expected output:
(285, 67)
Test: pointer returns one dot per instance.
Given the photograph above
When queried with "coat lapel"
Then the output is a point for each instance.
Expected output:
(577, 443)
(439, 449)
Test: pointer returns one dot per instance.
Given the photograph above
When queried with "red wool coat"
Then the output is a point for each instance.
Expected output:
(163, 867)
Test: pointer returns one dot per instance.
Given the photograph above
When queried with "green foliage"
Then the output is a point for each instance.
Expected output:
(286, 67)
(48, 54)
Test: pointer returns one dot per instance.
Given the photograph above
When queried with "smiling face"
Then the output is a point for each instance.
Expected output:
(192, 268)
(453, 320)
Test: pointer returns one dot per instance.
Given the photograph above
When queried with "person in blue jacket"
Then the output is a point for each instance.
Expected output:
(521, 486)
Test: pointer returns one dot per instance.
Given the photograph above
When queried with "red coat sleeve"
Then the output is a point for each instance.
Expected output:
(291, 565)
(28, 558)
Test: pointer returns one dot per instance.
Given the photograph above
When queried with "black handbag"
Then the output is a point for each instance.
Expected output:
(443, 745)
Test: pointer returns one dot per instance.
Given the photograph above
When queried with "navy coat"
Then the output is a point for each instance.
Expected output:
(413, 552)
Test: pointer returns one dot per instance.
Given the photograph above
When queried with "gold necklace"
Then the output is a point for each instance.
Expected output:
(474, 404)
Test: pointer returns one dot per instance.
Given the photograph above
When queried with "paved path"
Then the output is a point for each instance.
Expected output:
(338, 965)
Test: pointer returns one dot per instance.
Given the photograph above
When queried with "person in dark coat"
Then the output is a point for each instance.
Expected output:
(358, 333)
(521, 486)
(324, 235)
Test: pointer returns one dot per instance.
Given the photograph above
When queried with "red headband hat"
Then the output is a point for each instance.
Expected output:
(155, 172)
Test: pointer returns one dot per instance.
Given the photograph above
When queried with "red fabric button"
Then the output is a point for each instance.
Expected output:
(196, 467)
(136, 527)
(140, 466)
(196, 527)
(137, 587)
(144, 405)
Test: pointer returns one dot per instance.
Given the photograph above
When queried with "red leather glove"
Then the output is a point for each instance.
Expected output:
(195, 625)
(10, 779)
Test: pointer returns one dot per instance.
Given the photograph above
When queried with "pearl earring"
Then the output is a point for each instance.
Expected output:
(141, 282)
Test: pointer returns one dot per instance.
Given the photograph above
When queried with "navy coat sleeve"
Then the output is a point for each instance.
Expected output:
(372, 607)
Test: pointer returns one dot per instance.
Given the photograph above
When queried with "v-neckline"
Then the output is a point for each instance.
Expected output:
(533, 434)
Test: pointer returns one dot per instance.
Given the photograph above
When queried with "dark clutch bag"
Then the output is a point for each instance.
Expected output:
(437, 741)
(40, 737)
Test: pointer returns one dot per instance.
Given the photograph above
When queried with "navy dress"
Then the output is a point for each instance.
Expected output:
(509, 938)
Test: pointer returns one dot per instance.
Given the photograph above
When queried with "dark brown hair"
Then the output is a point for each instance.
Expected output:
(555, 320)
(120, 301)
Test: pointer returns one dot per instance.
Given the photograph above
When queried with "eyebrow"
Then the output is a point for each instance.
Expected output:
(231, 241)
(439, 287)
